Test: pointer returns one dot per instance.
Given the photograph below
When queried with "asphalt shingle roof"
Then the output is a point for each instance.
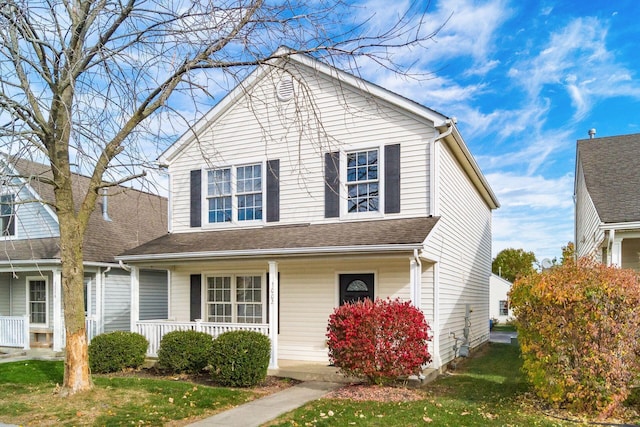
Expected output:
(136, 217)
(291, 238)
(612, 176)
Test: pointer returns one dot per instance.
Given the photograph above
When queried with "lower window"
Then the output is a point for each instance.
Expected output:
(504, 308)
(38, 301)
(235, 299)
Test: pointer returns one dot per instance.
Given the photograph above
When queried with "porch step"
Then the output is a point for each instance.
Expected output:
(310, 371)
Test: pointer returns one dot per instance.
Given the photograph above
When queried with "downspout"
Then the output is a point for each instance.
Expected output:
(417, 282)
(434, 168)
(450, 123)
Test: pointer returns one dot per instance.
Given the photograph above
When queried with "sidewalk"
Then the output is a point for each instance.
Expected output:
(258, 412)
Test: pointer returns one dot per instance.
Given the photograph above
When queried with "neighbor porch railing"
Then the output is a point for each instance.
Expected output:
(154, 330)
(14, 331)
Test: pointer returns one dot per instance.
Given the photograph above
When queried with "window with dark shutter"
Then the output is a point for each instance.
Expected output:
(273, 190)
(392, 178)
(196, 198)
(332, 185)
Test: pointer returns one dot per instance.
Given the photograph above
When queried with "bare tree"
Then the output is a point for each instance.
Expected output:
(81, 82)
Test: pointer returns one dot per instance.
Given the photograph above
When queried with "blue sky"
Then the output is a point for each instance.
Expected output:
(526, 79)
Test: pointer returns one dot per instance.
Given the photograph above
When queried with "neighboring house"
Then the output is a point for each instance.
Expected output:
(30, 269)
(306, 187)
(607, 222)
(499, 299)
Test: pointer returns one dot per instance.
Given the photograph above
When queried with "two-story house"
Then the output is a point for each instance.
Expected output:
(306, 187)
(607, 200)
(30, 270)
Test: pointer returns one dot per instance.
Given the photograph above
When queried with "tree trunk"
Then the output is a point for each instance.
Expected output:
(77, 377)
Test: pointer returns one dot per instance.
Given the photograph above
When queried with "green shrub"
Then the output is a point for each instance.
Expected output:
(116, 351)
(185, 351)
(240, 358)
(577, 327)
(379, 340)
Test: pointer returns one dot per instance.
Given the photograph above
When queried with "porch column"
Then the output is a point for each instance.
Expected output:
(616, 253)
(58, 313)
(135, 297)
(273, 313)
(99, 282)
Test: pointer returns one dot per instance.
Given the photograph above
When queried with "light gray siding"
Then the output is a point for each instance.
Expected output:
(154, 295)
(588, 235)
(325, 117)
(5, 294)
(33, 220)
(462, 243)
(117, 296)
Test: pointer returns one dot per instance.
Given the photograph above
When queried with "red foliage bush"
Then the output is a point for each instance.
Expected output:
(379, 341)
(578, 328)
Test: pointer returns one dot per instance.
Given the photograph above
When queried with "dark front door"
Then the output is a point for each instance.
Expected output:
(356, 287)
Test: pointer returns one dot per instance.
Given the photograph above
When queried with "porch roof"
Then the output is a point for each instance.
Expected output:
(360, 236)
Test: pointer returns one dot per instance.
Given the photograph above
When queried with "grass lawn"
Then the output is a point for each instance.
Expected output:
(504, 327)
(485, 390)
(27, 398)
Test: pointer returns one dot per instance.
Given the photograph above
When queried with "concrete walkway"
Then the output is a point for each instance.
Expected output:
(258, 412)
(503, 337)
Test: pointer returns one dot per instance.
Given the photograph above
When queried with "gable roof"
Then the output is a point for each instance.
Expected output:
(299, 239)
(612, 177)
(136, 217)
(285, 57)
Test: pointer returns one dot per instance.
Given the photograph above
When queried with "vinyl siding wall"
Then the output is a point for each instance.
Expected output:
(5, 295)
(154, 295)
(260, 128)
(308, 294)
(117, 301)
(462, 242)
(33, 221)
(588, 235)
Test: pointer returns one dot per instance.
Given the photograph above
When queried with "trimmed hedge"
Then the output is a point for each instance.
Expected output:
(116, 351)
(185, 351)
(240, 358)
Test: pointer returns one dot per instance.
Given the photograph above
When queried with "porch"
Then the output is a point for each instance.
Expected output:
(17, 332)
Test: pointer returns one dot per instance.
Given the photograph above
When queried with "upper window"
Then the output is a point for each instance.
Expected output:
(235, 194)
(7, 214)
(363, 182)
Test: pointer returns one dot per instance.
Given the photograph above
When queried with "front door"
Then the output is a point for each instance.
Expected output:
(356, 287)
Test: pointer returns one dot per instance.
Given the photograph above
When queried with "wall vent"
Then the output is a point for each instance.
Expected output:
(284, 89)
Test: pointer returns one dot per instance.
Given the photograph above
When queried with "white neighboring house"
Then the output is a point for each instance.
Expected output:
(306, 187)
(30, 271)
(607, 213)
(499, 299)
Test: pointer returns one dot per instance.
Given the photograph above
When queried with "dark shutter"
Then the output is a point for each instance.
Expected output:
(196, 198)
(195, 297)
(392, 178)
(332, 185)
(273, 190)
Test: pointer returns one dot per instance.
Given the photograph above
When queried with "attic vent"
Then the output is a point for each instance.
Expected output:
(284, 89)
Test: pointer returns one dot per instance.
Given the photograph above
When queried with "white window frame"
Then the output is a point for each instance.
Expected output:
(14, 213)
(46, 301)
(506, 307)
(234, 289)
(234, 195)
(344, 185)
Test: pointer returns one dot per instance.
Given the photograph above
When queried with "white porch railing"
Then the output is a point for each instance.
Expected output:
(91, 325)
(154, 330)
(14, 331)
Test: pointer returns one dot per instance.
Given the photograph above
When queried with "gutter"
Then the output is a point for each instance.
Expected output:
(256, 253)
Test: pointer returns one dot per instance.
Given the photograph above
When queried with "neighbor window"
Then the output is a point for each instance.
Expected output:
(235, 299)
(38, 301)
(363, 181)
(7, 214)
(234, 194)
(504, 308)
